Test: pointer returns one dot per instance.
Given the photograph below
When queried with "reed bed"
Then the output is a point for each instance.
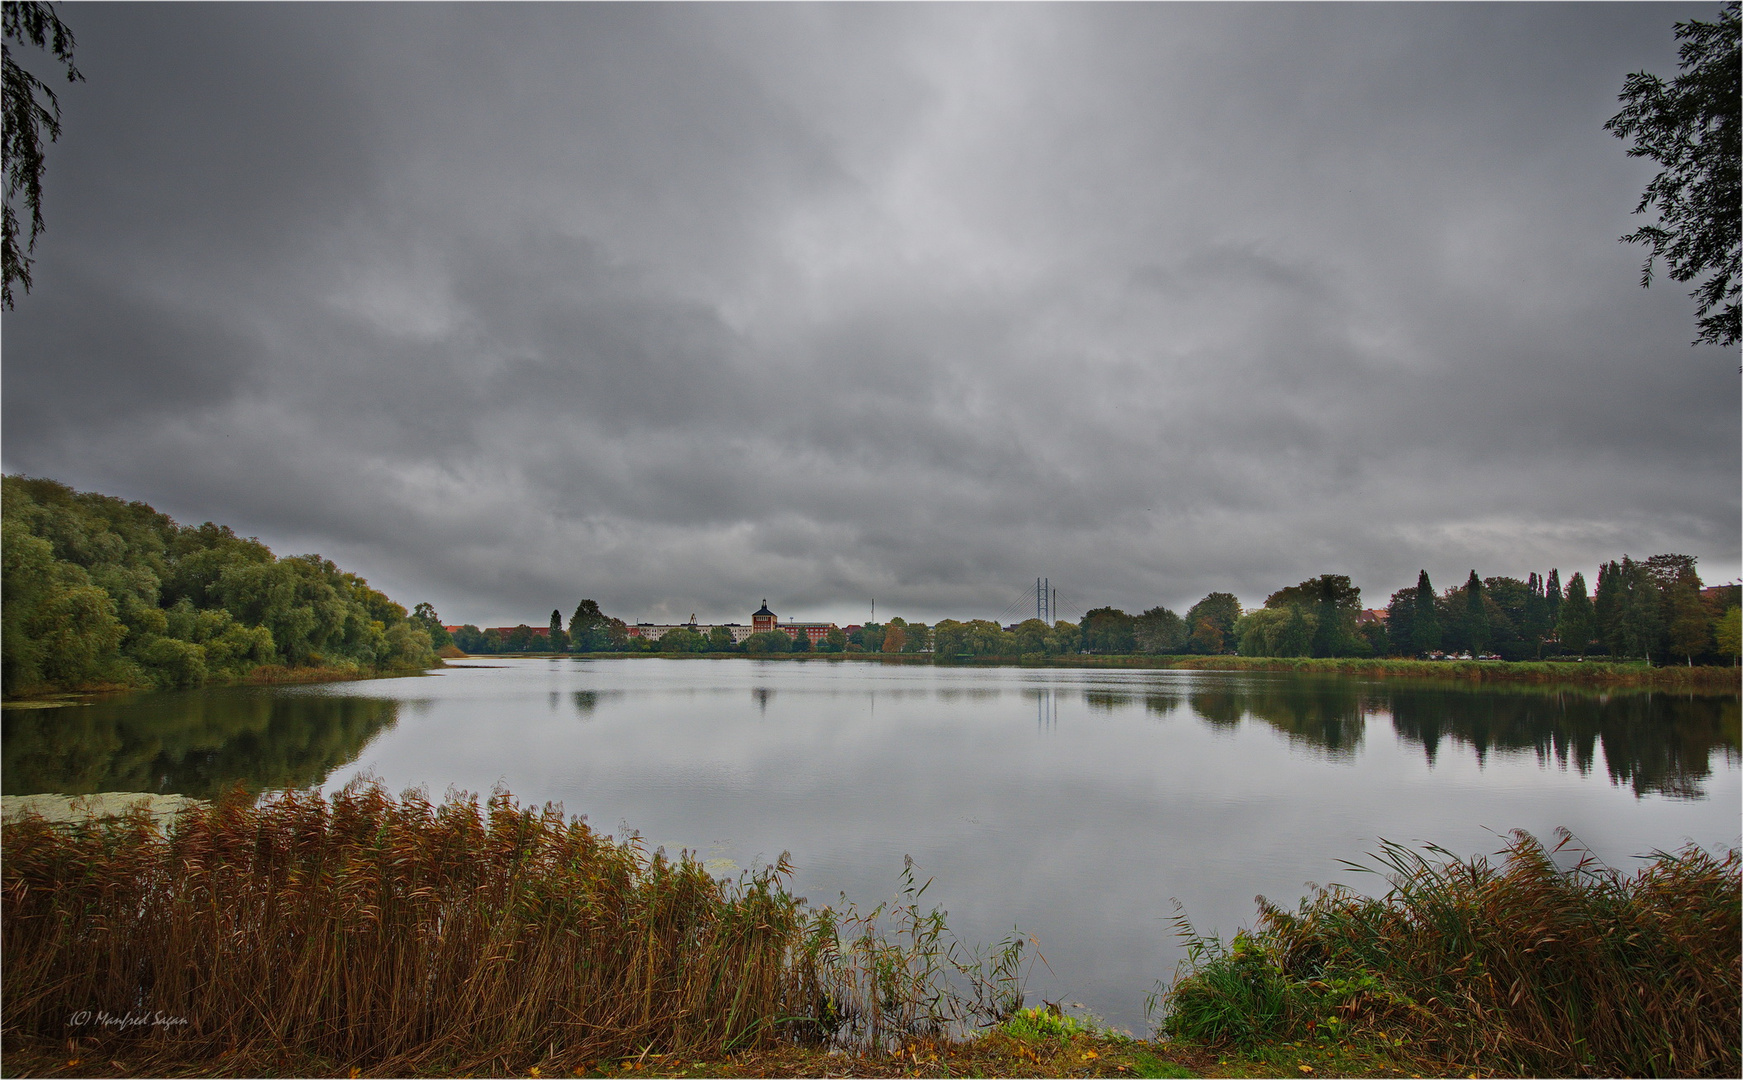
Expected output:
(1528, 968)
(383, 934)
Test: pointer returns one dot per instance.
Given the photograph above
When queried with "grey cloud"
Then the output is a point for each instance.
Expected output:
(681, 307)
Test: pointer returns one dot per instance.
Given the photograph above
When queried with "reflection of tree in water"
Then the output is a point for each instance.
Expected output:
(1162, 704)
(199, 743)
(1220, 708)
(1107, 700)
(1322, 714)
(585, 701)
(1653, 742)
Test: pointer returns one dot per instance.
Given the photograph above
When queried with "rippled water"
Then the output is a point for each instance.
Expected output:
(1076, 805)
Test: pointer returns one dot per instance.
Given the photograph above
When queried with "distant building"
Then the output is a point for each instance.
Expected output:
(1370, 616)
(763, 620)
(656, 631)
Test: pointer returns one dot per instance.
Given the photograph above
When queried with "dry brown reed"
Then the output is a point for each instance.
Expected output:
(388, 934)
(1532, 968)
(393, 935)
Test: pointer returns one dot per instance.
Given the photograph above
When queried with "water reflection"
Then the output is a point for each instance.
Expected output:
(1653, 743)
(585, 701)
(1323, 716)
(199, 743)
(1046, 707)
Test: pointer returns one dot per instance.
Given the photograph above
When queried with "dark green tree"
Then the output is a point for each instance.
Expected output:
(768, 641)
(1379, 638)
(720, 639)
(1106, 630)
(1425, 628)
(1628, 609)
(919, 638)
(1476, 615)
(1552, 601)
(1157, 631)
(1296, 637)
(1575, 627)
(589, 628)
(1688, 624)
(555, 637)
(425, 616)
(30, 109)
(1511, 606)
(1401, 622)
(1689, 126)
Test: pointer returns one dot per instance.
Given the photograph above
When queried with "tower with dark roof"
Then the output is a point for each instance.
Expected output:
(762, 619)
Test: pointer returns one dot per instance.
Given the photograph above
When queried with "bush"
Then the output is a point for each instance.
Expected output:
(1529, 968)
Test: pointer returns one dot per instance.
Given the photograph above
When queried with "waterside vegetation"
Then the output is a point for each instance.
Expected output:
(391, 934)
(366, 935)
(1550, 964)
(105, 594)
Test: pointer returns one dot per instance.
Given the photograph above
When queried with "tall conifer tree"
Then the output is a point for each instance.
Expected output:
(1476, 615)
(1574, 626)
(1427, 628)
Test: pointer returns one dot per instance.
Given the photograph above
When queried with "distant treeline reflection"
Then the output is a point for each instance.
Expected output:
(1655, 743)
(196, 743)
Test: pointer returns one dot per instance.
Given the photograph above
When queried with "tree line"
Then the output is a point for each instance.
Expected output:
(1653, 610)
(101, 592)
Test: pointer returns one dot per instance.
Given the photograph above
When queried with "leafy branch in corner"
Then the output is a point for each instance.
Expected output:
(30, 108)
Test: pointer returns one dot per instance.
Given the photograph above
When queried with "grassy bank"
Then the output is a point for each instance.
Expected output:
(1596, 673)
(369, 935)
(264, 675)
(1589, 672)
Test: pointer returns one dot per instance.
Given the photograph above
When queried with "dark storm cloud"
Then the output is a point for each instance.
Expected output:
(680, 307)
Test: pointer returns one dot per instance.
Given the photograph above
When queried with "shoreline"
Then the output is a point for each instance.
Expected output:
(1595, 673)
(264, 675)
(1589, 674)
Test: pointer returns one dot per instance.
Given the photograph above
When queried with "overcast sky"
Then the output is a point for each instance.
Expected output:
(679, 308)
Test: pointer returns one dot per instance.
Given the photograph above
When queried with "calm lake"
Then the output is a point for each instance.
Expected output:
(1076, 805)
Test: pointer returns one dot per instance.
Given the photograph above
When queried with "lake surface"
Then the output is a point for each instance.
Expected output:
(1076, 805)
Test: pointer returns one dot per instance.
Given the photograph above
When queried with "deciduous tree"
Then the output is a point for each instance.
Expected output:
(1689, 126)
(30, 109)
(1220, 609)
